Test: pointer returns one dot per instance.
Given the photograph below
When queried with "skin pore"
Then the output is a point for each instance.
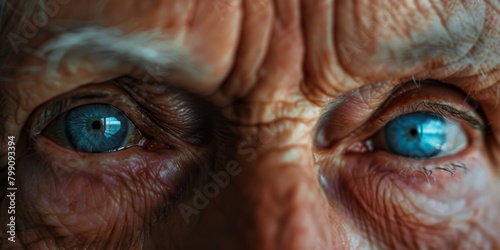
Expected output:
(285, 97)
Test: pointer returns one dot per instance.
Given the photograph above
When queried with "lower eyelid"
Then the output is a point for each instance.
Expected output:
(374, 173)
(441, 170)
(71, 181)
(125, 163)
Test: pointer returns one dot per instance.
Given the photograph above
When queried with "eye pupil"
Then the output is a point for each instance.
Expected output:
(97, 125)
(413, 132)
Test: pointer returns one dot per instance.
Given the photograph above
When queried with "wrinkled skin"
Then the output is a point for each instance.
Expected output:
(285, 90)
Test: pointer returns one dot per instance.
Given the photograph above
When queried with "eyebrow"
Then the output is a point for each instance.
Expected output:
(112, 45)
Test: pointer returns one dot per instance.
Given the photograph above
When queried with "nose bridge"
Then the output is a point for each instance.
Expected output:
(275, 202)
(285, 208)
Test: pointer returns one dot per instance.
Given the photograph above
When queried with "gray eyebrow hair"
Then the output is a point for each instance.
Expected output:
(111, 45)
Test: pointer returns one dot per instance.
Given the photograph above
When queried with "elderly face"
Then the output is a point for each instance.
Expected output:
(247, 124)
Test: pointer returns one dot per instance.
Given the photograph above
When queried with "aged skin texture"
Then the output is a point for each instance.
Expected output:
(255, 124)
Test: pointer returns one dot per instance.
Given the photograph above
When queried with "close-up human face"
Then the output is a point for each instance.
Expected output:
(250, 124)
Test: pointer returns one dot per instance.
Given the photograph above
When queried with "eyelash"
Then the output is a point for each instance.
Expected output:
(51, 111)
(454, 105)
(381, 118)
(191, 125)
(447, 167)
(440, 108)
(425, 167)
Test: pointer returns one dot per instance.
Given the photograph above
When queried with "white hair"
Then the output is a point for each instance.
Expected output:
(109, 45)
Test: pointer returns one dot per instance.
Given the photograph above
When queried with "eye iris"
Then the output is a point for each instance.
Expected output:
(97, 128)
(417, 135)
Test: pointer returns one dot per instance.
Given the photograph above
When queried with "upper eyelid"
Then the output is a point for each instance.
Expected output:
(344, 121)
(50, 110)
(57, 107)
(454, 102)
(442, 108)
(189, 125)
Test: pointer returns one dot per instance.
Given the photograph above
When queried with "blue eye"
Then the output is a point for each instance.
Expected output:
(92, 128)
(423, 135)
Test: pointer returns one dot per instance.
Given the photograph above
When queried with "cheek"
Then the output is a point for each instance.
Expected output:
(410, 208)
(105, 195)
